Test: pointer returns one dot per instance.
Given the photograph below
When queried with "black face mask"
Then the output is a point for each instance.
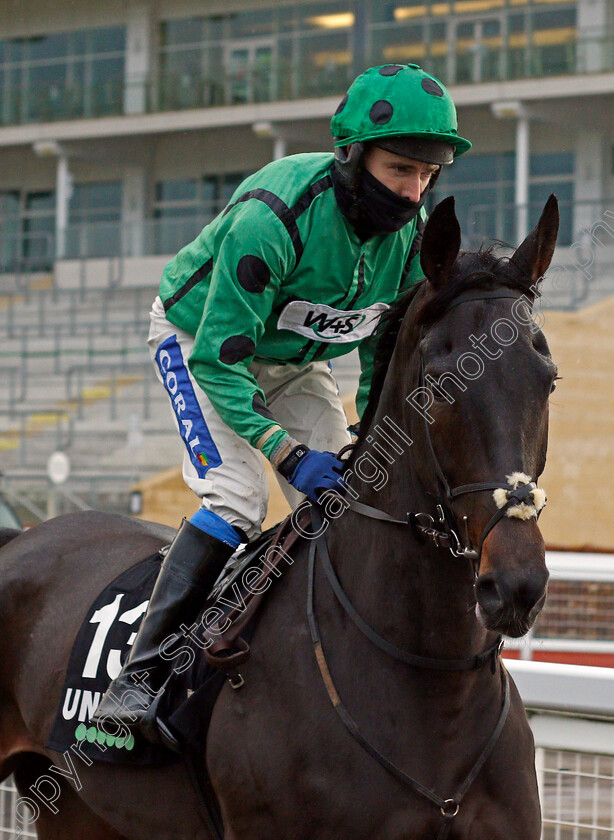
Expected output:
(374, 210)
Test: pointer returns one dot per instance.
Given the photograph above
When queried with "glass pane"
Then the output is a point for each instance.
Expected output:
(230, 183)
(96, 200)
(107, 40)
(400, 43)
(324, 63)
(9, 205)
(46, 92)
(107, 85)
(208, 194)
(10, 230)
(47, 46)
(182, 31)
(181, 82)
(174, 227)
(15, 49)
(554, 19)
(38, 231)
(251, 24)
(263, 74)
(325, 16)
(552, 163)
(40, 202)
(238, 75)
(177, 190)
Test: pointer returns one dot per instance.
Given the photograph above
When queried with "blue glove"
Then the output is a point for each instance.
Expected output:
(312, 472)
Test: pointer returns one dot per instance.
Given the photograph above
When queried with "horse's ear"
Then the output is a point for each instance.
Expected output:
(534, 255)
(441, 242)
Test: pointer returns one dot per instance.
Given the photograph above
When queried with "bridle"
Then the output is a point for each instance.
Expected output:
(444, 531)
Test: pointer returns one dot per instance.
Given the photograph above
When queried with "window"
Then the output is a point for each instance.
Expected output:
(62, 75)
(484, 189)
(184, 206)
(483, 185)
(95, 220)
(257, 56)
(553, 172)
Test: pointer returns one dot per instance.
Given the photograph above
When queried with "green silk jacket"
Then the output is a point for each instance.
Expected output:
(281, 277)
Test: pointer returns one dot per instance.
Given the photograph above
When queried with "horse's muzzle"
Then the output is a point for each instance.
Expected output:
(509, 602)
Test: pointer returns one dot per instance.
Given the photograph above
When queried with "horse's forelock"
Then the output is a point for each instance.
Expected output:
(480, 269)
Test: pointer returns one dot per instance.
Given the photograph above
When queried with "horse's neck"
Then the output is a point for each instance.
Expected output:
(417, 595)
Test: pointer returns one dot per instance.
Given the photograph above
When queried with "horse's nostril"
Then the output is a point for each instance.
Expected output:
(488, 595)
(532, 589)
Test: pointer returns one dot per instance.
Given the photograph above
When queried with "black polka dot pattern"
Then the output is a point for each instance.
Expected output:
(390, 70)
(431, 86)
(253, 274)
(236, 348)
(341, 105)
(381, 112)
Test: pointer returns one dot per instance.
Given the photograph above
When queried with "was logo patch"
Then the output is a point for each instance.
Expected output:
(324, 323)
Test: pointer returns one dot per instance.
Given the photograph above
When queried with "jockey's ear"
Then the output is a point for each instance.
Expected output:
(534, 254)
(441, 242)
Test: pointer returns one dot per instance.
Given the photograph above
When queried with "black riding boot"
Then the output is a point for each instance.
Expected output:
(189, 570)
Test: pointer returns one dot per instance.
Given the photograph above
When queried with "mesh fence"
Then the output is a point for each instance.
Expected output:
(15, 821)
(577, 796)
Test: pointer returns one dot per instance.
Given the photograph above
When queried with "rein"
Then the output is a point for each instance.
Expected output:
(448, 807)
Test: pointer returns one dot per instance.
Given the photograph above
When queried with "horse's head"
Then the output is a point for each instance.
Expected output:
(478, 373)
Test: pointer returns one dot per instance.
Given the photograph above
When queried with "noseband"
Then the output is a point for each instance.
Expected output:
(518, 496)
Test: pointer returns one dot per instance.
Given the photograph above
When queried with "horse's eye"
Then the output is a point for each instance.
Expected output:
(553, 386)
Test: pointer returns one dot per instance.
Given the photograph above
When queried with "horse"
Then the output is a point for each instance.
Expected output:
(375, 703)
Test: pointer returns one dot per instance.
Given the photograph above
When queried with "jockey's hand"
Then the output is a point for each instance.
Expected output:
(312, 472)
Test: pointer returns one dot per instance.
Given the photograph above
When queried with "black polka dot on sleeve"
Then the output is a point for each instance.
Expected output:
(236, 348)
(253, 273)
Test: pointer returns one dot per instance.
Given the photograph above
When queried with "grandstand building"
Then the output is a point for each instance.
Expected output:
(126, 125)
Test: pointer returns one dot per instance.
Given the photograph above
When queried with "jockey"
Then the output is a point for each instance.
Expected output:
(294, 272)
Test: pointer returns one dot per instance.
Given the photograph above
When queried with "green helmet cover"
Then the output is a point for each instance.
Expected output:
(397, 99)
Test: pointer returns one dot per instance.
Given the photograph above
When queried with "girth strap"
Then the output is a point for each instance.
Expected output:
(449, 807)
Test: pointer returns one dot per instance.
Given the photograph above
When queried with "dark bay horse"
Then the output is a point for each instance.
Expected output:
(454, 434)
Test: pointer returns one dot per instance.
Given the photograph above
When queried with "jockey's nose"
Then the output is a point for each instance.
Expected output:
(413, 186)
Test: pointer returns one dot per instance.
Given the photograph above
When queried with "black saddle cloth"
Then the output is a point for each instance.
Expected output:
(103, 642)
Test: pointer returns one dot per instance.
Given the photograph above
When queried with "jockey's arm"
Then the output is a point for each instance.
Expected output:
(252, 257)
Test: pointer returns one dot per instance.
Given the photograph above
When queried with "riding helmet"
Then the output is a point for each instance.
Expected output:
(401, 108)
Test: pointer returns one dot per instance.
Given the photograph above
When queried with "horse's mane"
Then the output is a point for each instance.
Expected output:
(480, 269)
